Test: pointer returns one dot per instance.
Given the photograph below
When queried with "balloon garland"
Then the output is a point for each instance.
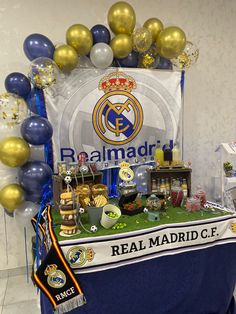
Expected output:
(152, 46)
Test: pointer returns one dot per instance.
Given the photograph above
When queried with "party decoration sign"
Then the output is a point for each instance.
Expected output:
(114, 115)
(119, 250)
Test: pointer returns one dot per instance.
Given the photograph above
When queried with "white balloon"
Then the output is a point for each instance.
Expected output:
(25, 212)
(101, 55)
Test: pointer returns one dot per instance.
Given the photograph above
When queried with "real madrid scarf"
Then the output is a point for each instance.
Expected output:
(55, 278)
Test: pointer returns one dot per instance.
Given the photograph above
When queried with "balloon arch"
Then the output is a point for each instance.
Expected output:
(152, 46)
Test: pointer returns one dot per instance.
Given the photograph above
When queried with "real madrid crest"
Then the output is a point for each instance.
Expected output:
(126, 173)
(118, 115)
(56, 278)
(77, 256)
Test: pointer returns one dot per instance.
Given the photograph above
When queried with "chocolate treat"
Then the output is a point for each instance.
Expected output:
(68, 222)
(66, 207)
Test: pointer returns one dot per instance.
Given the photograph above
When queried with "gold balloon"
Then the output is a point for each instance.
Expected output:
(11, 196)
(171, 42)
(65, 57)
(142, 39)
(121, 18)
(121, 46)
(154, 26)
(80, 38)
(14, 151)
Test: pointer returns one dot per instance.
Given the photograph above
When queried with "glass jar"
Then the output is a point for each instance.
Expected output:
(153, 203)
(83, 193)
(99, 189)
(74, 167)
(127, 187)
(193, 204)
(61, 167)
(201, 195)
(176, 194)
(99, 195)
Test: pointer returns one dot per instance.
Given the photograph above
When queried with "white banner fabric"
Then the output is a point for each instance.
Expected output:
(105, 252)
(114, 115)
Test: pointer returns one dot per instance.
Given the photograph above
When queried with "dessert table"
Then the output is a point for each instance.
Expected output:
(194, 274)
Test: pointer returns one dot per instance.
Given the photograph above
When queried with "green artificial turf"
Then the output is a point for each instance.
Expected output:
(137, 222)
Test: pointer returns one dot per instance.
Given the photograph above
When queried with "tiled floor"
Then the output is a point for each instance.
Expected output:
(18, 296)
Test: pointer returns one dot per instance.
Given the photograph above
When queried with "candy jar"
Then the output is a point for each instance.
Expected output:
(176, 194)
(193, 204)
(201, 194)
(153, 203)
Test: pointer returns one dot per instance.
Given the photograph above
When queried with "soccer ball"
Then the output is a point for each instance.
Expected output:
(67, 179)
(145, 210)
(93, 229)
(68, 173)
(81, 210)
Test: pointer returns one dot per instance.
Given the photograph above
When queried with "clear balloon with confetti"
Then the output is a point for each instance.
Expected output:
(149, 59)
(187, 58)
(142, 39)
(43, 72)
(13, 109)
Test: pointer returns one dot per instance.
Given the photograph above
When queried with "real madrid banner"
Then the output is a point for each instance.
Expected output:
(102, 253)
(115, 115)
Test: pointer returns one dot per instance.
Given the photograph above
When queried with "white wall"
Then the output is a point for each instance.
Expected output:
(210, 93)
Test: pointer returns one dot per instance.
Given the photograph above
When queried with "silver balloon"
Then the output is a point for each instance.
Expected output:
(101, 55)
(140, 177)
(24, 213)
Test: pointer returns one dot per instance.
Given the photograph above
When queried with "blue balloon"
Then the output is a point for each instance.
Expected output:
(164, 64)
(131, 61)
(35, 101)
(18, 83)
(37, 45)
(35, 176)
(100, 34)
(36, 130)
(34, 197)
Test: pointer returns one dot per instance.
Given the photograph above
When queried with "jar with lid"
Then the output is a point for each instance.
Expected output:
(61, 167)
(153, 203)
(193, 204)
(74, 167)
(201, 194)
(99, 189)
(176, 194)
(83, 194)
(127, 187)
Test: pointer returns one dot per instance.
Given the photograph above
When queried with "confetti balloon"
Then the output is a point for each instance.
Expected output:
(171, 42)
(149, 59)
(43, 72)
(13, 109)
(142, 39)
(11, 196)
(121, 18)
(187, 58)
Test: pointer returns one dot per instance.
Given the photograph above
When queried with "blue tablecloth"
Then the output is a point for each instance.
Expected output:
(196, 282)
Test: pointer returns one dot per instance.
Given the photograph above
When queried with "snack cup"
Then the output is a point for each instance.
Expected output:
(106, 221)
(95, 214)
